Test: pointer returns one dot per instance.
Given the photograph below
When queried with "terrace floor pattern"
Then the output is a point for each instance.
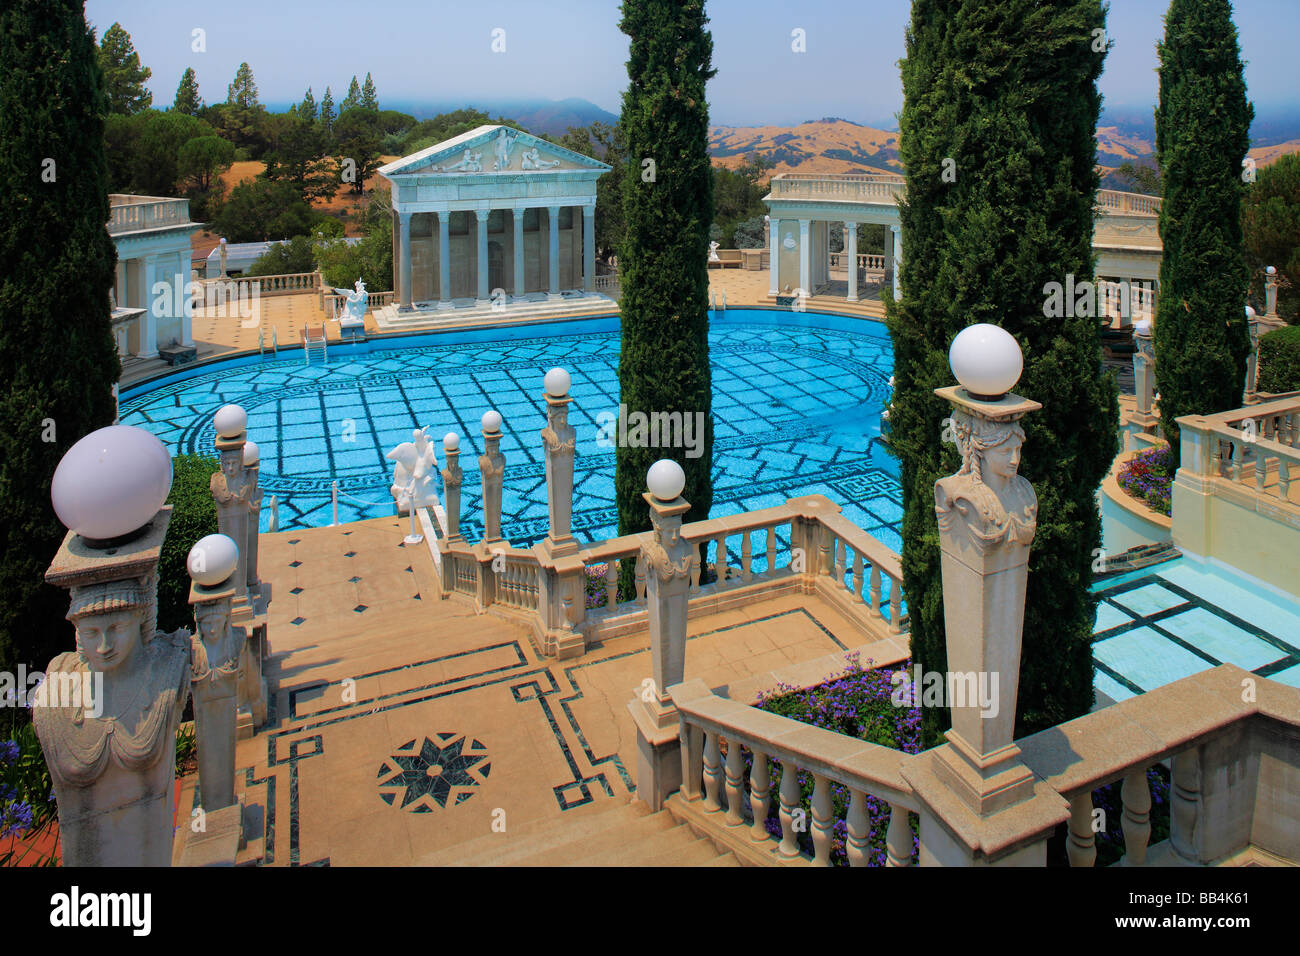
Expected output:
(404, 727)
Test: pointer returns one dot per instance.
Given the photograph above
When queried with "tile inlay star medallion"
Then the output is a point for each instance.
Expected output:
(435, 772)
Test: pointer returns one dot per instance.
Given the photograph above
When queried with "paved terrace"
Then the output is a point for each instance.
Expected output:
(547, 742)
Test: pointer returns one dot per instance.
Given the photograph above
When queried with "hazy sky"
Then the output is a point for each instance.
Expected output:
(431, 50)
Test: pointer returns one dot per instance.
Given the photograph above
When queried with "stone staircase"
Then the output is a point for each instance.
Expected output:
(624, 834)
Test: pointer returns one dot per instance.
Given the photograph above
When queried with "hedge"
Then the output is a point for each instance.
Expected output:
(1279, 360)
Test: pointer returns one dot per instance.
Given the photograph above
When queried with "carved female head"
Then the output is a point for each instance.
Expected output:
(989, 445)
(113, 622)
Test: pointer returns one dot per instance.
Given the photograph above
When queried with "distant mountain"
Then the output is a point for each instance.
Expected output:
(552, 117)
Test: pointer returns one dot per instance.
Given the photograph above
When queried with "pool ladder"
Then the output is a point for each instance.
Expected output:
(315, 343)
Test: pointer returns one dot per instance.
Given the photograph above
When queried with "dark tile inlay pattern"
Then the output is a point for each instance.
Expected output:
(433, 772)
(295, 590)
(298, 620)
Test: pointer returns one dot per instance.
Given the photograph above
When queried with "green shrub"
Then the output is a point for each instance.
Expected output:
(1279, 360)
(285, 258)
(194, 515)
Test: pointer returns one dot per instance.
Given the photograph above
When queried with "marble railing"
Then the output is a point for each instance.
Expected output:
(866, 261)
(335, 304)
(865, 769)
(873, 189)
(234, 288)
(1256, 447)
(605, 283)
(136, 213)
(1115, 202)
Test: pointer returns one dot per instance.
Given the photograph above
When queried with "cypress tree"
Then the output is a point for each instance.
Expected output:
(327, 115)
(1202, 135)
(187, 94)
(668, 206)
(58, 361)
(124, 78)
(1007, 92)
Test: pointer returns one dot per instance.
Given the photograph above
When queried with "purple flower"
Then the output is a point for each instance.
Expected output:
(8, 751)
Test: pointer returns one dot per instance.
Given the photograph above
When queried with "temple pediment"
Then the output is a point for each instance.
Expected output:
(492, 150)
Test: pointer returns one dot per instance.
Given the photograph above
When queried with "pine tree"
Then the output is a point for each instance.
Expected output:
(124, 78)
(327, 115)
(664, 357)
(369, 99)
(980, 246)
(242, 92)
(58, 361)
(1202, 135)
(307, 108)
(187, 94)
(353, 99)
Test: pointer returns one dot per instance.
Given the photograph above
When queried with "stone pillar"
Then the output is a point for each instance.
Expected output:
(112, 758)
(896, 254)
(1270, 292)
(222, 247)
(559, 438)
(404, 264)
(187, 299)
(773, 255)
(588, 248)
(491, 465)
(252, 683)
(805, 256)
(444, 260)
(451, 479)
(987, 516)
(851, 252)
(517, 221)
(1144, 379)
(231, 491)
(553, 251)
(667, 558)
(215, 659)
(481, 256)
(152, 309)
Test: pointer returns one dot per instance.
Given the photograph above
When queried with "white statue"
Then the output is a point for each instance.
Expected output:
(408, 458)
(470, 162)
(533, 160)
(713, 252)
(355, 301)
(505, 143)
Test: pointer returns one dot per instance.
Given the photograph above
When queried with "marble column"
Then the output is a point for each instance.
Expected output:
(444, 260)
(112, 753)
(805, 256)
(588, 248)
(773, 255)
(187, 300)
(231, 491)
(553, 251)
(215, 659)
(404, 266)
(667, 557)
(451, 480)
(481, 257)
(517, 221)
(252, 683)
(152, 308)
(851, 257)
(491, 466)
(559, 439)
(896, 253)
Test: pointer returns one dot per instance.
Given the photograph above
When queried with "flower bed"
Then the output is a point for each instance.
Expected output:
(1148, 477)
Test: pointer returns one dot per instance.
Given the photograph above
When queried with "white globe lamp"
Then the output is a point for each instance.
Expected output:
(111, 483)
(491, 421)
(557, 383)
(1142, 327)
(986, 359)
(212, 560)
(252, 454)
(665, 479)
(230, 421)
(451, 441)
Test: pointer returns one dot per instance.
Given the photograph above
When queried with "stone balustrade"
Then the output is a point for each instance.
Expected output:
(1115, 202)
(138, 213)
(236, 287)
(1257, 447)
(885, 190)
(866, 262)
(334, 303)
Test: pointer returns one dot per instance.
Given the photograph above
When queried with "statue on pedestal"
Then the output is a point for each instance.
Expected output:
(996, 504)
(355, 299)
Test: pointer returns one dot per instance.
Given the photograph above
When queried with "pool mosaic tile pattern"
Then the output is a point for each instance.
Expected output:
(1179, 618)
(796, 411)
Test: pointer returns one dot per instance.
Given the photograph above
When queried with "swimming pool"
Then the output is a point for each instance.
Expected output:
(797, 403)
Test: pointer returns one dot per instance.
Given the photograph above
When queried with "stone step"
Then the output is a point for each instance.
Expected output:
(676, 846)
(630, 839)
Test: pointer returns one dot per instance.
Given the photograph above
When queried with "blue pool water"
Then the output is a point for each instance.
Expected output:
(797, 403)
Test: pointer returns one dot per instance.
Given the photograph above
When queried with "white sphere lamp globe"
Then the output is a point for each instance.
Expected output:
(112, 482)
(1250, 313)
(451, 441)
(230, 421)
(1271, 270)
(986, 359)
(491, 421)
(252, 454)
(557, 383)
(212, 560)
(665, 479)
(1142, 327)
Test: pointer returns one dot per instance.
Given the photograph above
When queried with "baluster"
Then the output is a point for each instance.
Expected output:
(720, 559)
(760, 796)
(711, 772)
(640, 579)
(746, 557)
(1222, 458)
(859, 828)
(825, 545)
(1283, 479)
(839, 562)
(1238, 449)
(1081, 847)
(1136, 796)
(822, 821)
(789, 803)
(857, 574)
(898, 839)
(1261, 469)
(875, 590)
(735, 781)
(1184, 808)
(695, 569)
(689, 737)
(611, 584)
(895, 605)
(771, 550)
